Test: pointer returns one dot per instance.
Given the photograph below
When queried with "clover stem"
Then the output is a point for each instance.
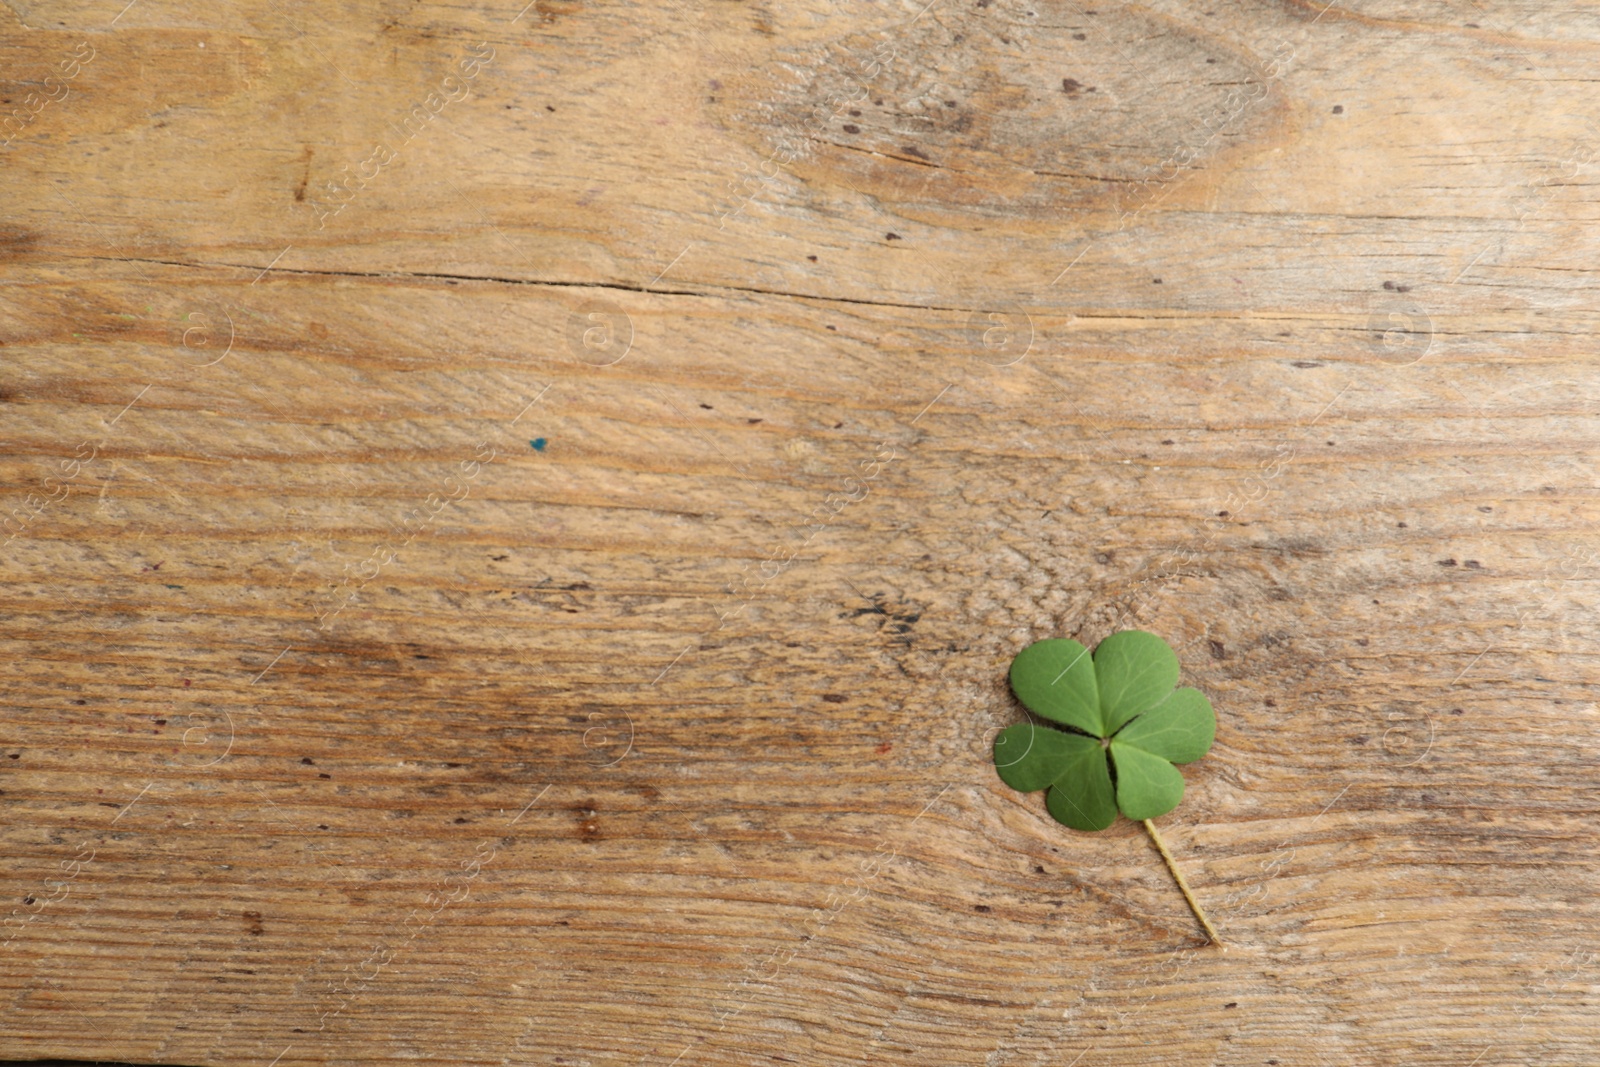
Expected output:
(1172, 865)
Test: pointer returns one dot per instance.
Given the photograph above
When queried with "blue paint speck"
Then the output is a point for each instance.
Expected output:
(538, 444)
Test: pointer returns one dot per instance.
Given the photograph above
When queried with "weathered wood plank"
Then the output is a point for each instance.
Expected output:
(515, 524)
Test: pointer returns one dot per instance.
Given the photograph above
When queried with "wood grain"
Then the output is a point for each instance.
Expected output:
(515, 523)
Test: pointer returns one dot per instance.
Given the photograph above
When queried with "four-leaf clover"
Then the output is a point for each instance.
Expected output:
(1125, 727)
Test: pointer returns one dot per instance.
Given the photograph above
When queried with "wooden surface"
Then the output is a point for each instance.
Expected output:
(517, 522)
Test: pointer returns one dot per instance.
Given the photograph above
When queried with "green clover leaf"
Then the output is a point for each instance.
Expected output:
(1125, 725)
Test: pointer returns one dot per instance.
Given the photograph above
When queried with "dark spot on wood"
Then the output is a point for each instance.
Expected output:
(307, 761)
(1306, 363)
(588, 828)
(855, 114)
(578, 585)
(1231, 1004)
(1071, 86)
(913, 150)
(1338, 109)
(461, 819)
(1363, 641)
(891, 237)
(547, 107)
(27, 900)
(1451, 562)
(80, 702)
(161, 722)
(1330, 444)
(1269, 702)
(949, 103)
(835, 329)
(752, 422)
(838, 426)
(1402, 526)
(1217, 651)
(1360, 739)
(252, 923)
(16, 243)
(500, 559)
(322, 826)
(833, 698)
(18, 755)
(708, 407)
(1485, 507)
(812, 258)
(1222, 514)
(851, 127)
(982, 907)
(1085, 37)
(1474, 564)
(305, 174)
(1167, 441)
(1037, 869)
(324, 776)
(1457, 711)
(1155, 281)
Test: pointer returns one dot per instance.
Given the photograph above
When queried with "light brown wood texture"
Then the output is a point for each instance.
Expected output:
(516, 523)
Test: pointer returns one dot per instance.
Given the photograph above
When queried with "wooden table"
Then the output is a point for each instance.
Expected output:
(516, 523)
